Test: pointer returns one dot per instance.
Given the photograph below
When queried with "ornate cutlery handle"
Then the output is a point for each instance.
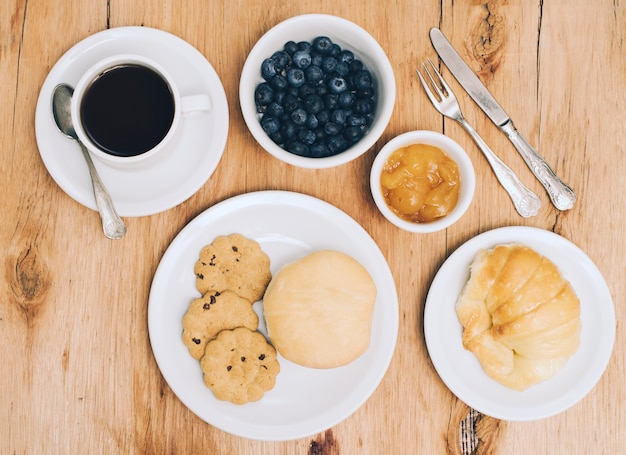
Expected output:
(525, 201)
(112, 224)
(561, 195)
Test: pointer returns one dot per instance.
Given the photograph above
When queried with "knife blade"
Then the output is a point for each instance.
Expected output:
(561, 194)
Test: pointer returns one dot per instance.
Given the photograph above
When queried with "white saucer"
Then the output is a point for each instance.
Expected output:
(460, 370)
(165, 184)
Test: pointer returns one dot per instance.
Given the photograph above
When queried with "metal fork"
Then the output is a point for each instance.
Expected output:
(525, 201)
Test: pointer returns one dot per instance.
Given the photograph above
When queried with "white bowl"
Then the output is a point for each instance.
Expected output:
(453, 150)
(347, 35)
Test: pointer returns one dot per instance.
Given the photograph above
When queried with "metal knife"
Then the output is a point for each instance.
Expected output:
(561, 195)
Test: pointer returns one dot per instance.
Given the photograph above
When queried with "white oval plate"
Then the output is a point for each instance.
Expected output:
(460, 370)
(305, 401)
(153, 188)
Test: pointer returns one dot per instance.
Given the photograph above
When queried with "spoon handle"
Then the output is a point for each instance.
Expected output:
(112, 225)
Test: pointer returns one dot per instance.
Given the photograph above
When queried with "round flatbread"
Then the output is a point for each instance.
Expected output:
(318, 310)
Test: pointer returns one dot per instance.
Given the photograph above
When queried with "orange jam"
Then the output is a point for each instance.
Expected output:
(420, 183)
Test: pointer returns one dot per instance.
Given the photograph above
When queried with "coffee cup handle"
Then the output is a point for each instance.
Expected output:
(195, 104)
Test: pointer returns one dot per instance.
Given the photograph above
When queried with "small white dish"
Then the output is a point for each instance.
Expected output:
(304, 401)
(346, 34)
(450, 148)
(460, 370)
(152, 188)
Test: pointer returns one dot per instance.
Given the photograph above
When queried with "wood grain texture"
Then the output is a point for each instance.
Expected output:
(77, 374)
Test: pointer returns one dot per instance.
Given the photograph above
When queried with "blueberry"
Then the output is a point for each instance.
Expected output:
(291, 90)
(356, 120)
(279, 96)
(302, 59)
(306, 136)
(274, 109)
(322, 89)
(346, 99)
(331, 101)
(352, 134)
(356, 65)
(365, 92)
(338, 85)
(338, 116)
(270, 125)
(323, 116)
(331, 128)
(297, 147)
(312, 122)
(313, 74)
(306, 90)
(291, 103)
(313, 104)
(268, 69)
(298, 116)
(320, 135)
(329, 64)
(295, 77)
(319, 150)
(280, 59)
(277, 137)
(336, 50)
(288, 130)
(342, 68)
(316, 58)
(323, 45)
(290, 47)
(337, 144)
(279, 82)
(305, 46)
(264, 94)
(346, 56)
(362, 79)
(364, 106)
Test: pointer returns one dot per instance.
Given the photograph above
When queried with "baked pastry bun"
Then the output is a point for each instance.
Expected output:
(520, 317)
(318, 310)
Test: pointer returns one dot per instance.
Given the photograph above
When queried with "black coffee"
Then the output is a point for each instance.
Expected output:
(127, 110)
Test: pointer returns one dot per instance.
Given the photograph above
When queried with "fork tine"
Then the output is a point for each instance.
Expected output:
(429, 93)
(433, 82)
(442, 81)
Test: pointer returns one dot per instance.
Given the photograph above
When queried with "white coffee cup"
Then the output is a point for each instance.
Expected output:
(115, 127)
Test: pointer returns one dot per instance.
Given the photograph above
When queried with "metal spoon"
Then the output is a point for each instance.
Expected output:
(112, 224)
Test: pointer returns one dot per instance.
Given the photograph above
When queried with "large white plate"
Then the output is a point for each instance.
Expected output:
(197, 150)
(288, 226)
(460, 370)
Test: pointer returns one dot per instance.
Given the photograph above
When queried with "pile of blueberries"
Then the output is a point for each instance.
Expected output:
(317, 99)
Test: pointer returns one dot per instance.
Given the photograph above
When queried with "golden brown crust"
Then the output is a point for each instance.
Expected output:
(521, 318)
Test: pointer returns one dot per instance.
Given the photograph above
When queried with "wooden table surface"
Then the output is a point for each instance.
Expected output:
(77, 374)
